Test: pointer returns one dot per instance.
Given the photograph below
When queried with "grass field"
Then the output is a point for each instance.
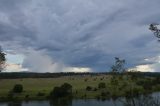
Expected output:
(32, 86)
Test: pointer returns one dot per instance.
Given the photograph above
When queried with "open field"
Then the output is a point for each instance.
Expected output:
(33, 86)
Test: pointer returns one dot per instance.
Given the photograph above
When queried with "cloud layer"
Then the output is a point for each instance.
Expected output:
(79, 33)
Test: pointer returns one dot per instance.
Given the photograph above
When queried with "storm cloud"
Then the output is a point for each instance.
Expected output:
(80, 33)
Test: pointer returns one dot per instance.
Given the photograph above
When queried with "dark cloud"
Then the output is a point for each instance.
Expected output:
(80, 33)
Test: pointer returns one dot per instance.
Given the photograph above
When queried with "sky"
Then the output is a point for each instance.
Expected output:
(79, 35)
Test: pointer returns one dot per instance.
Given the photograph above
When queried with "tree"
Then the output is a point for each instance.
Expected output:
(2, 60)
(62, 91)
(143, 100)
(101, 85)
(18, 88)
(119, 65)
(88, 88)
(67, 88)
(117, 68)
(57, 92)
(154, 28)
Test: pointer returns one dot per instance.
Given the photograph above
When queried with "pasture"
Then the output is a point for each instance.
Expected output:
(120, 86)
(32, 86)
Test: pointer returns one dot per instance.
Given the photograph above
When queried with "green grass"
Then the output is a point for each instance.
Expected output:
(34, 85)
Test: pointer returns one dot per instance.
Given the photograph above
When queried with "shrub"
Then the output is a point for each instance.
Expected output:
(146, 84)
(86, 80)
(57, 92)
(101, 79)
(62, 91)
(18, 88)
(95, 89)
(41, 94)
(134, 92)
(98, 97)
(10, 95)
(76, 92)
(88, 88)
(103, 94)
(67, 88)
(94, 79)
(27, 96)
(101, 85)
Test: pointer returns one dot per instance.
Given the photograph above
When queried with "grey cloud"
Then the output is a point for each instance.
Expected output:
(80, 33)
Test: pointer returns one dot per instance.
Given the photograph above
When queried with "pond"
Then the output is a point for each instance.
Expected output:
(89, 102)
(68, 103)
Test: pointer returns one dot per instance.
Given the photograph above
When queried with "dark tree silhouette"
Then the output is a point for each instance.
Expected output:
(2, 60)
(101, 85)
(153, 27)
(18, 88)
(116, 71)
(62, 91)
(143, 100)
(119, 65)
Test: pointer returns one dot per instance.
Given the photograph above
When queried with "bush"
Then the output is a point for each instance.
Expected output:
(95, 89)
(146, 84)
(86, 80)
(41, 94)
(67, 88)
(103, 94)
(62, 91)
(101, 85)
(18, 88)
(94, 79)
(10, 95)
(134, 92)
(88, 88)
(98, 97)
(27, 96)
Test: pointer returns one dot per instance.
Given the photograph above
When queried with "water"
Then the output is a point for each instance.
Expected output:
(91, 102)
(70, 103)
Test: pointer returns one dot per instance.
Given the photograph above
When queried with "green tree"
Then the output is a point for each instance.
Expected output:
(101, 85)
(62, 91)
(88, 88)
(18, 88)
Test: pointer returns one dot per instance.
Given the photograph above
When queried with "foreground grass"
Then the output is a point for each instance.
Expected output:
(33, 86)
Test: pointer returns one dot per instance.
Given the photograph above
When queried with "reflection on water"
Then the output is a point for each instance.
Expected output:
(65, 102)
(61, 102)
(142, 100)
(139, 101)
(15, 104)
